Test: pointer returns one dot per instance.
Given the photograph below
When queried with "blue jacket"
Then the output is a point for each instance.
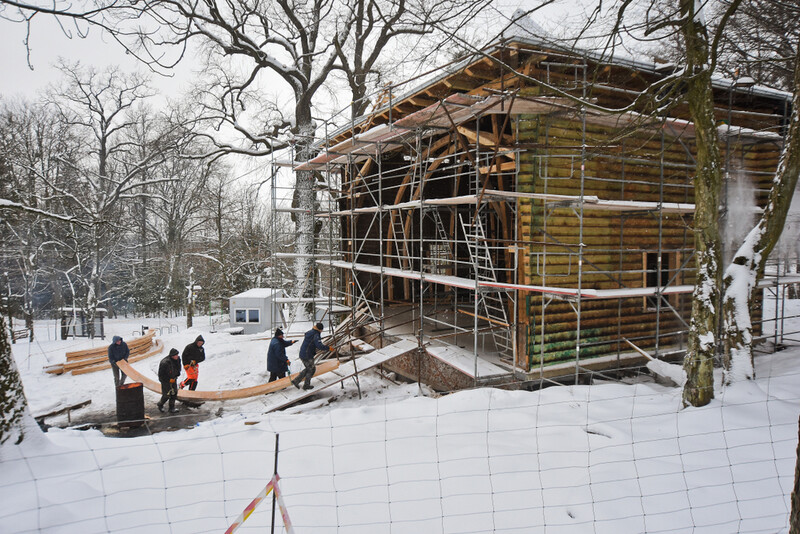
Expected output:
(276, 355)
(311, 344)
(118, 352)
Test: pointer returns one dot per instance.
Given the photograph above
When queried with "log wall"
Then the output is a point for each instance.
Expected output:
(644, 165)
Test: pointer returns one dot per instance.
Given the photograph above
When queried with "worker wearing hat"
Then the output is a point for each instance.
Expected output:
(168, 372)
(277, 362)
(308, 350)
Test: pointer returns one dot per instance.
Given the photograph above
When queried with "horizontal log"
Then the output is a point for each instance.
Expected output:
(158, 346)
(143, 340)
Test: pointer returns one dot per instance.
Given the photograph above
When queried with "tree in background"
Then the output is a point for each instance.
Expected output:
(101, 108)
(760, 42)
(35, 146)
(300, 45)
(749, 261)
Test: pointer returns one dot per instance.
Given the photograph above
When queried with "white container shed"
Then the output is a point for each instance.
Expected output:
(252, 311)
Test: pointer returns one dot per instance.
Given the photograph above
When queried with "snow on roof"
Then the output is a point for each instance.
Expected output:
(257, 293)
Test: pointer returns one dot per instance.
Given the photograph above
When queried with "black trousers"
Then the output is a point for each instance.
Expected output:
(190, 383)
(169, 393)
(308, 372)
(118, 381)
(275, 376)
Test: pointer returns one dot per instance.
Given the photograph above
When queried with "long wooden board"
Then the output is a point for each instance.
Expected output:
(261, 389)
(89, 361)
(135, 343)
(157, 347)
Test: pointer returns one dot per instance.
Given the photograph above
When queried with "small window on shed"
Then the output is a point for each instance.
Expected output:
(244, 315)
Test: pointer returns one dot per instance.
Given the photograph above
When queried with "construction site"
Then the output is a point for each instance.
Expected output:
(504, 218)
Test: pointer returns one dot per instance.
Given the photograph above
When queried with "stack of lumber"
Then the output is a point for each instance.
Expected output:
(96, 359)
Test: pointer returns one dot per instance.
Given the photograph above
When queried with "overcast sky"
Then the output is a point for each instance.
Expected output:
(48, 42)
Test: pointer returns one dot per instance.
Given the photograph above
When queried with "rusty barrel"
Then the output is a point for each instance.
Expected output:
(130, 405)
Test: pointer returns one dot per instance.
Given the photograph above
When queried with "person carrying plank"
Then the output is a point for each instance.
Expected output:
(277, 362)
(168, 372)
(118, 350)
(193, 355)
(308, 350)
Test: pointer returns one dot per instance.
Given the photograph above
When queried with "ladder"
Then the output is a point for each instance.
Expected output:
(440, 255)
(400, 241)
(490, 301)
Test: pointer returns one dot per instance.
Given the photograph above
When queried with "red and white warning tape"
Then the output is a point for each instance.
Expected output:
(250, 508)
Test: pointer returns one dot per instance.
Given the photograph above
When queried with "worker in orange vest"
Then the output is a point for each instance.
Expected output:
(192, 355)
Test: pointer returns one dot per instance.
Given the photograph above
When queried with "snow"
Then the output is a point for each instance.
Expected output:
(258, 293)
(611, 457)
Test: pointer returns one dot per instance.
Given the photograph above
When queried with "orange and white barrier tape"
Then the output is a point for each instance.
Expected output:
(250, 508)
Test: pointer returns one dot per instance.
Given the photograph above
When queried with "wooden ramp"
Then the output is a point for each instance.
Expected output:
(287, 397)
(185, 394)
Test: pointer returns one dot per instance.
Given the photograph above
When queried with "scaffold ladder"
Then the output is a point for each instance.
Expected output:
(400, 241)
(440, 255)
(490, 301)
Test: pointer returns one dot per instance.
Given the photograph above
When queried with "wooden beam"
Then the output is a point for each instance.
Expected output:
(488, 139)
(499, 167)
(459, 84)
(475, 71)
(243, 393)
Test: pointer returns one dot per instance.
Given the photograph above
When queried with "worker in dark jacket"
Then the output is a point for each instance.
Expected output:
(311, 344)
(118, 350)
(277, 362)
(192, 355)
(168, 372)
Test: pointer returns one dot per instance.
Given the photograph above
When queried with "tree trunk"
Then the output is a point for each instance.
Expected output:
(190, 300)
(305, 199)
(699, 361)
(747, 267)
(794, 516)
(13, 404)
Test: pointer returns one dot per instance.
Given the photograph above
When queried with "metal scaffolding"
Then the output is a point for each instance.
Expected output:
(420, 233)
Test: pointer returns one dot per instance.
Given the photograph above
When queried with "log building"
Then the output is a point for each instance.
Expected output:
(515, 224)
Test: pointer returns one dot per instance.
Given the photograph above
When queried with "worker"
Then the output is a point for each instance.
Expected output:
(308, 350)
(117, 351)
(193, 355)
(168, 372)
(277, 362)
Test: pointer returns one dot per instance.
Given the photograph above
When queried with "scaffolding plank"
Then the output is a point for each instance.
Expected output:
(596, 203)
(467, 283)
(287, 397)
(771, 280)
(453, 281)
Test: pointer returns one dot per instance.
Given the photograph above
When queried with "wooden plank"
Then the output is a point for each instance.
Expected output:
(88, 361)
(261, 389)
(100, 351)
(158, 347)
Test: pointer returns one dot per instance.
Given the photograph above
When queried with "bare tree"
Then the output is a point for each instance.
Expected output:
(100, 107)
(760, 40)
(301, 44)
(34, 145)
(749, 262)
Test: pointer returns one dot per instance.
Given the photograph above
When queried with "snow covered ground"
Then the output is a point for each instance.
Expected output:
(604, 458)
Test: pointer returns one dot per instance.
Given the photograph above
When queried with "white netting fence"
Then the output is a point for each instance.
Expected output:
(609, 457)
